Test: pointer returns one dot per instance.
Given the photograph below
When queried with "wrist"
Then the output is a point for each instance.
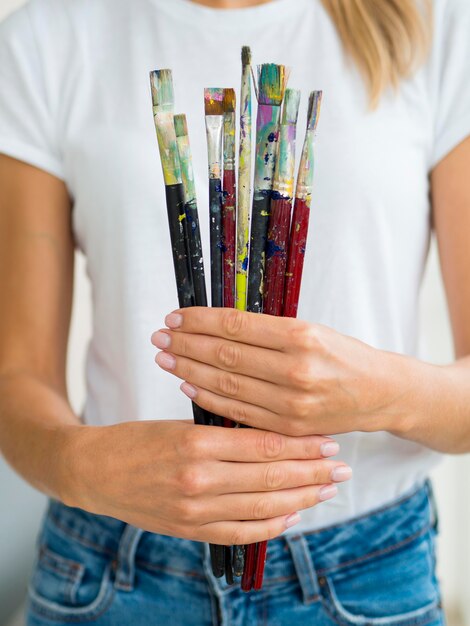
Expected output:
(73, 444)
(413, 385)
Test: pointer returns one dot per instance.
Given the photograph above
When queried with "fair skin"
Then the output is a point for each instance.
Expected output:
(296, 385)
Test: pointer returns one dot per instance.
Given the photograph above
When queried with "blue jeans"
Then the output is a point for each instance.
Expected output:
(378, 569)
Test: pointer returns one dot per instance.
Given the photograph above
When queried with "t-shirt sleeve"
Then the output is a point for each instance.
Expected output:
(28, 131)
(451, 78)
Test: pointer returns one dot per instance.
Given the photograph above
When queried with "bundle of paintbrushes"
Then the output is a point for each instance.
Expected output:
(258, 271)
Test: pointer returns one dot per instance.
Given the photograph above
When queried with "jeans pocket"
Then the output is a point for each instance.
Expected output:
(396, 587)
(70, 582)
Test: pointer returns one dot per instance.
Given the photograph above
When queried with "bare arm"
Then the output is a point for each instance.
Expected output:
(36, 278)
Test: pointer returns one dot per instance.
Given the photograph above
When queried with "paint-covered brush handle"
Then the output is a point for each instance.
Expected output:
(276, 255)
(259, 231)
(215, 200)
(229, 236)
(176, 217)
(295, 262)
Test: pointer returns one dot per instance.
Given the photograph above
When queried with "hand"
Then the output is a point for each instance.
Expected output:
(283, 374)
(198, 482)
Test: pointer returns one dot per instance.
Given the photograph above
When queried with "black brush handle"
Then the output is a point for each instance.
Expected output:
(258, 239)
(195, 253)
(215, 203)
(176, 220)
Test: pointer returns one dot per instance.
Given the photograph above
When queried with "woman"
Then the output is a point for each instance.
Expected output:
(136, 488)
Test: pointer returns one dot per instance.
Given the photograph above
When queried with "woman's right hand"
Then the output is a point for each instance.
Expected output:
(226, 486)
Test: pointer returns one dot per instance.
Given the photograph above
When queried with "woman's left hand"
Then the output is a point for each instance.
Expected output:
(285, 375)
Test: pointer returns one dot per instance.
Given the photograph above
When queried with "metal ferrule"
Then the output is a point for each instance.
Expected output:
(214, 131)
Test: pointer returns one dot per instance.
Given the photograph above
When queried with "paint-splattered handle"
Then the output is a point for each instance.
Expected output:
(295, 262)
(276, 255)
(229, 235)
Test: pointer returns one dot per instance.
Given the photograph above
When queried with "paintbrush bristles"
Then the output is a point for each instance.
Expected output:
(246, 55)
(214, 101)
(272, 80)
(229, 100)
(314, 106)
(181, 125)
(161, 82)
(290, 112)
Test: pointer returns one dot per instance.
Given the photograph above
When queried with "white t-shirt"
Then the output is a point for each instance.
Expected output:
(75, 101)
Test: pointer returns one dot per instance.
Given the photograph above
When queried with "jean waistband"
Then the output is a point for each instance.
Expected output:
(307, 555)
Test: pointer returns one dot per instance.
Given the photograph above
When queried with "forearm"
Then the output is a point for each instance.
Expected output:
(35, 422)
(435, 406)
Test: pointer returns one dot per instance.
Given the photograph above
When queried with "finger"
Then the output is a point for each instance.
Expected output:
(266, 331)
(244, 533)
(258, 392)
(261, 363)
(242, 412)
(266, 505)
(276, 476)
(250, 445)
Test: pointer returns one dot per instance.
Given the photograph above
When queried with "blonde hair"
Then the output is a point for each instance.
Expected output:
(387, 39)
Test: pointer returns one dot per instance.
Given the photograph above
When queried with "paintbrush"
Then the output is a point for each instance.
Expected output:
(271, 87)
(278, 234)
(272, 81)
(191, 212)
(229, 195)
(281, 207)
(244, 181)
(214, 109)
(161, 82)
(163, 103)
(301, 216)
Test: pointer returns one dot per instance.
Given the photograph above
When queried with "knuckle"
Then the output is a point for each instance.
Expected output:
(187, 511)
(238, 537)
(263, 508)
(194, 444)
(295, 428)
(238, 413)
(301, 375)
(192, 481)
(274, 477)
(270, 445)
(228, 355)
(299, 405)
(233, 322)
(228, 384)
(306, 336)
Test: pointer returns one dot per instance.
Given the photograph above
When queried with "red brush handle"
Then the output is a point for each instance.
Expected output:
(276, 255)
(229, 230)
(295, 252)
(295, 261)
(249, 569)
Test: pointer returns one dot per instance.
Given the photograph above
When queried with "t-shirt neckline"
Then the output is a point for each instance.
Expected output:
(247, 17)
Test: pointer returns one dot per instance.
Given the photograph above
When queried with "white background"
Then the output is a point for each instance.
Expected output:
(21, 507)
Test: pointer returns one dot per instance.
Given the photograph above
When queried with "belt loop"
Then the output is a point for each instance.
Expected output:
(124, 580)
(304, 567)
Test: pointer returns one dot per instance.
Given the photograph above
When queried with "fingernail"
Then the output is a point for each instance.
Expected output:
(161, 340)
(330, 448)
(292, 520)
(339, 474)
(167, 361)
(189, 390)
(328, 492)
(174, 320)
